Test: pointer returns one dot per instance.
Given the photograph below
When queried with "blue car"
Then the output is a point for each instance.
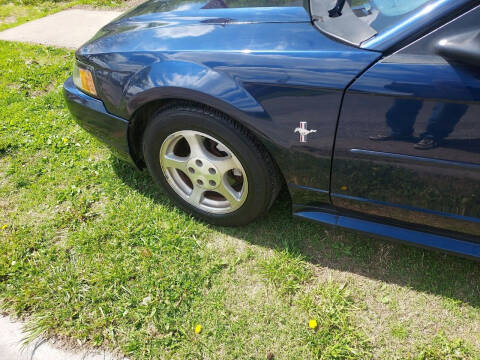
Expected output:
(368, 111)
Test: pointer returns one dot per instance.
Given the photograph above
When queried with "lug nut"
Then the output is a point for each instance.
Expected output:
(212, 171)
(199, 182)
(199, 163)
(212, 183)
(191, 170)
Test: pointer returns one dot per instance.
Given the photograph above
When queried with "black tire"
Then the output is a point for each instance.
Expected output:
(264, 182)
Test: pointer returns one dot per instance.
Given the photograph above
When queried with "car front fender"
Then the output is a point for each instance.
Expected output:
(191, 81)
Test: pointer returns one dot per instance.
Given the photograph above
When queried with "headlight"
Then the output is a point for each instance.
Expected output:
(83, 79)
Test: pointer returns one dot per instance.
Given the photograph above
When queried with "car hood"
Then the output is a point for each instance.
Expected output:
(226, 10)
(189, 14)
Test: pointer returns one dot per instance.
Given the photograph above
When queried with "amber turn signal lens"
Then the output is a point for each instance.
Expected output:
(83, 79)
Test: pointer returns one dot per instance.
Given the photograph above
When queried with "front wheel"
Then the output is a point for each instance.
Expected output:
(209, 165)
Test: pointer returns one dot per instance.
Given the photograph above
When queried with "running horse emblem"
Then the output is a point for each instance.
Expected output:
(303, 131)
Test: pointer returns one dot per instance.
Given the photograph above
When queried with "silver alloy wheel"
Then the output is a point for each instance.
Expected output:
(204, 172)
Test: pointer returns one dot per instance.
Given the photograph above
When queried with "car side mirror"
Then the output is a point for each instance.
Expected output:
(463, 48)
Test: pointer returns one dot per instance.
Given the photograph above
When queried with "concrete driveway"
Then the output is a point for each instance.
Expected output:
(12, 348)
(69, 28)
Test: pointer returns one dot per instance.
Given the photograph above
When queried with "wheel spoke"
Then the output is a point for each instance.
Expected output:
(174, 161)
(232, 196)
(196, 195)
(225, 164)
(195, 141)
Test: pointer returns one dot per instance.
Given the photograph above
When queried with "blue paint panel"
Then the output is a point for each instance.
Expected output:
(412, 95)
(239, 10)
(421, 77)
(219, 15)
(380, 204)
(93, 117)
(410, 158)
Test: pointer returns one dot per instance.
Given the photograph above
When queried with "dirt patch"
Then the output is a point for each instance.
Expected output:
(126, 5)
(8, 20)
(41, 92)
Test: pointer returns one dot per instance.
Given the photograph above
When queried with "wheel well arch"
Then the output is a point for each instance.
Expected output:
(141, 117)
(137, 125)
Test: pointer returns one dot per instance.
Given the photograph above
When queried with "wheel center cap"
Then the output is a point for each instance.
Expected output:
(203, 173)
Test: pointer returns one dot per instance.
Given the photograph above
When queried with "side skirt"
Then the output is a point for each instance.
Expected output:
(414, 237)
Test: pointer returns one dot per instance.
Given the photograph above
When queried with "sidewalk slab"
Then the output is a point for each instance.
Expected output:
(69, 28)
(12, 348)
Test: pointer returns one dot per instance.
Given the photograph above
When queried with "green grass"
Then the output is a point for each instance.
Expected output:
(443, 348)
(17, 12)
(286, 271)
(92, 252)
(336, 336)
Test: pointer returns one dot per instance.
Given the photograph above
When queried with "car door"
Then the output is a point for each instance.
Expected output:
(426, 93)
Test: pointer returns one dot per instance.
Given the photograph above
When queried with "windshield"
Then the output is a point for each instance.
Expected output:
(355, 21)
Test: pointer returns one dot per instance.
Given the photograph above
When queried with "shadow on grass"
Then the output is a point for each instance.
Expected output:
(422, 270)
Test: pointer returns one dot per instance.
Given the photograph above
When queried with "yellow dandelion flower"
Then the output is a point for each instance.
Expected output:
(344, 188)
(198, 329)
(4, 226)
(64, 140)
(312, 324)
